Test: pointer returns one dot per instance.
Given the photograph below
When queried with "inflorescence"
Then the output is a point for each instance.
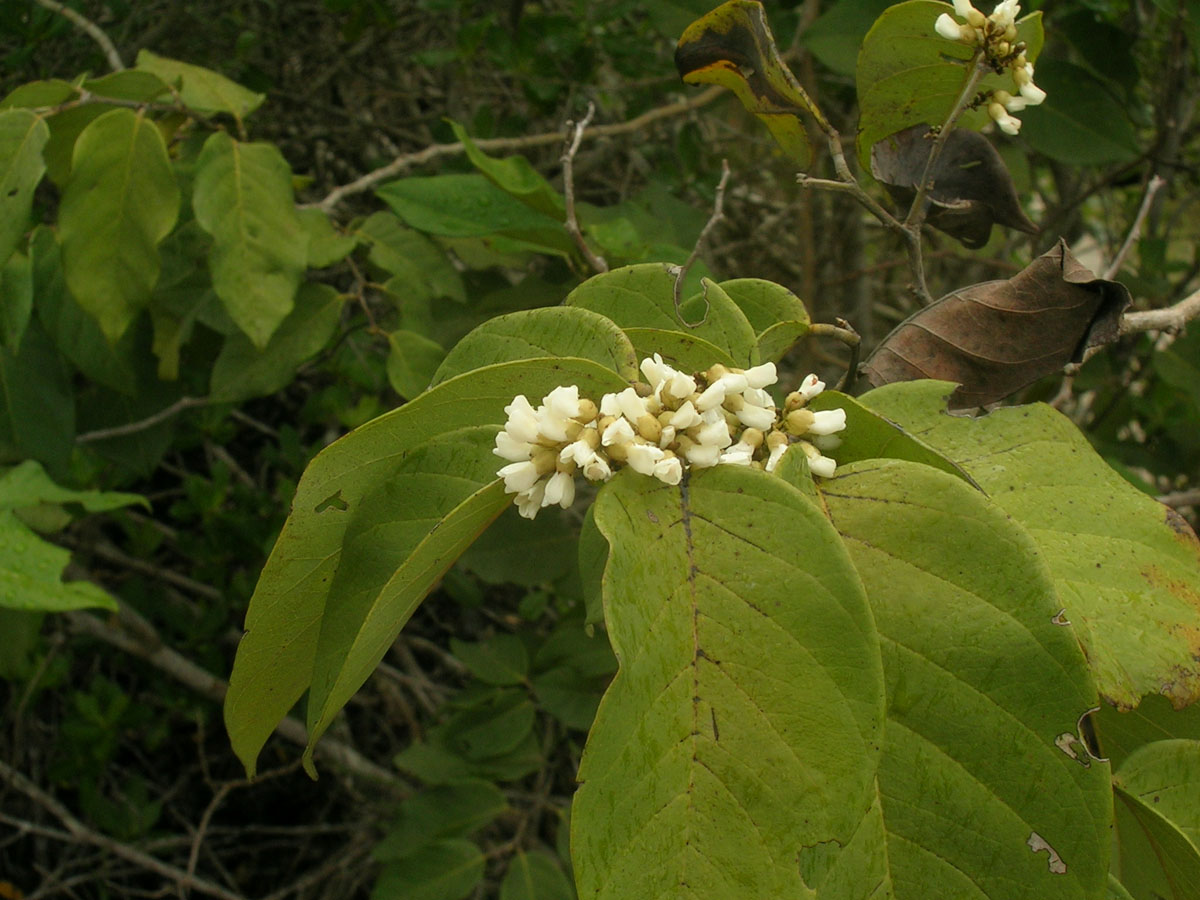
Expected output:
(997, 36)
(660, 428)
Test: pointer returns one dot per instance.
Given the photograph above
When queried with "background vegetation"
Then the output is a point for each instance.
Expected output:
(119, 780)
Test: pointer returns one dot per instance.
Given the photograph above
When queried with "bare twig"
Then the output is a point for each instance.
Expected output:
(844, 332)
(434, 151)
(1172, 318)
(81, 832)
(681, 271)
(567, 159)
(1152, 187)
(94, 31)
(1181, 498)
(162, 415)
(130, 632)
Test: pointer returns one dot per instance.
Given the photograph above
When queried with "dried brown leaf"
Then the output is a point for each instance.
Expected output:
(971, 191)
(997, 337)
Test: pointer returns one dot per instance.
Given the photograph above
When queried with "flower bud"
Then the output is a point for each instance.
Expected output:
(798, 421)
(587, 411)
(649, 427)
(753, 437)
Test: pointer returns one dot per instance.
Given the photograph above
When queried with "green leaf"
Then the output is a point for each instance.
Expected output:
(1125, 567)
(201, 89)
(834, 38)
(31, 573)
(16, 298)
(37, 94)
(678, 349)
(120, 201)
(908, 74)
(546, 332)
(275, 659)
(243, 198)
(325, 245)
(437, 761)
(983, 688)
(412, 361)
(419, 267)
(1080, 122)
(778, 316)
(22, 137)
(593, 558)
(1116, 890)
(453, 810)
(444, 870)
(27, 484)
(571, 696)
(535, 876)
(399, 543)
(129, 84)
(497, 723)
(1121, 733)
(37, 406)
(471, 206)
(869, 435)
(733, 46)
(243, 371)
(76, 334)
(516, 551)
(707, 769)
(502, 659)
(642, 296)
(65, 128)
(1153, 859)
(1165, 776)
(515, 176)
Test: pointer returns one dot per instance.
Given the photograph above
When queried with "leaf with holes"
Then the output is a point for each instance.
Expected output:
(965, 611)
(743, 724)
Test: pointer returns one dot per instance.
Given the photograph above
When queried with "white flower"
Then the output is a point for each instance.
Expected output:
(522, 420)
(828, 421)
(685, 417)
(1030, 92)
(758, 417)
(519, 476)
(1005, 13)
(530, 501)
(712, 397)
(811, 386)
(826, 442)
(701, 456)
(762, 376)
(609, 405)
(776, 454)
(818, 464)
(1008, 124)
(669, 470)
(714, 434)
(563, 401)
(579, 452)
(678, 386)
(642, 458)
(619, 431)
(655, 370)
(508, 447)
(740, 454)
(963, 8)
(597, 469)
(948, 28)
(631, 405)
(560, 489)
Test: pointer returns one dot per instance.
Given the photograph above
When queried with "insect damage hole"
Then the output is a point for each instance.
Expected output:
(1037, 843)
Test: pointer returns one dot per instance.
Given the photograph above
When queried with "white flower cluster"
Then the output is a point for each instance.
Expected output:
(672, 422)
(997, 35)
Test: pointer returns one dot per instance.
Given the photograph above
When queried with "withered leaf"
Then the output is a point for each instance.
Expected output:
(971, 191)
(997, 337)
(733, 46)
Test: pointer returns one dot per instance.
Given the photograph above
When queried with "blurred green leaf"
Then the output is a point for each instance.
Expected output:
(31, 574)
(452, 810)
(501, 659)
(1080, 122)
(515, 176)
(201, 89)
(16, 298)
(412, 362)
(22, 137)
(535, 876)
(418, 266)
(444, 870)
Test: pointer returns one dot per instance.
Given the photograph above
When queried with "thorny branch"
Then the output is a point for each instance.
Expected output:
(571, 222)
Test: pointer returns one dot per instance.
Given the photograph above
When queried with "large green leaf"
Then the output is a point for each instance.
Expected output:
(31, 573)
(412, 362)
(546, 332)
(37, 406)
(1125, 567)
(243, 370)
(202, 89)
(982, 687)
(514, 176)
(22, 137)
(741, 732)
(119, 202)
(1166, 776)
(1121, 733)
(642, 296)
(1081, 122)
(16, 298)
(419, 268)
(27, 484)
(275, 658)
(471, 206)
(1153, 859)
(908, 74)
(778, 316)
(243, 198)
(399, 543)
